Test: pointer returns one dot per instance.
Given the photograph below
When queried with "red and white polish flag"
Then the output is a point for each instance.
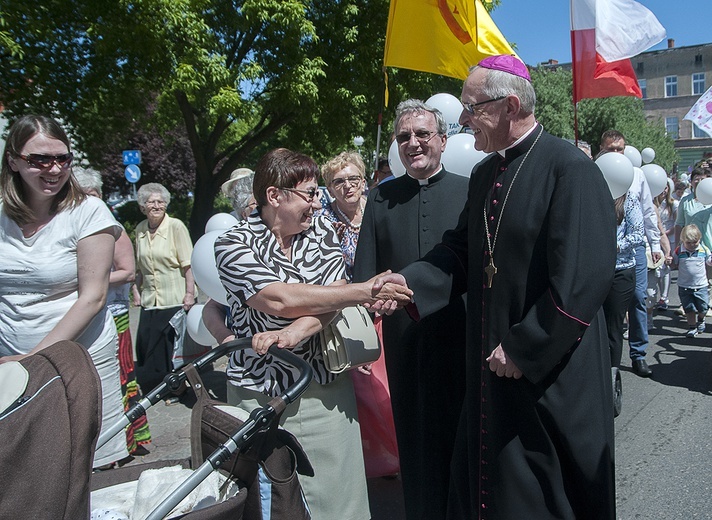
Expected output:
(605, 34)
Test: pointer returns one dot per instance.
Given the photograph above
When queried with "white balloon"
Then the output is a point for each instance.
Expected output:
(460, 155)
(394, 160)
(451, 109)
(656, 177)
(633, 155)
(618, 172)
(647, 155)
(703, 193)
(196, 327)
(220, 222)
(205, 272)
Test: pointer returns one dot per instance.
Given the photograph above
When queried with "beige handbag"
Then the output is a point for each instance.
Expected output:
(350, 340)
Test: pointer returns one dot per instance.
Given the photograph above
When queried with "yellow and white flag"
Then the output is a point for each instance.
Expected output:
(441, 36)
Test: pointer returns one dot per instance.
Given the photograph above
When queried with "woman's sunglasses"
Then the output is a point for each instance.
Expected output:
(45, 162)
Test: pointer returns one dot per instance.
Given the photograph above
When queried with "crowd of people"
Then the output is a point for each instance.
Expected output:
(500, 301)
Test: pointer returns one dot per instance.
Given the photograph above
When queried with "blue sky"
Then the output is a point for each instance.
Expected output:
(541, 28)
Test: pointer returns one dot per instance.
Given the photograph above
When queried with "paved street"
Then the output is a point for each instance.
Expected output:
(663, 435)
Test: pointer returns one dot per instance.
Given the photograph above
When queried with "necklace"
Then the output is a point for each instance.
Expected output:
(491, 269)
(346, 219)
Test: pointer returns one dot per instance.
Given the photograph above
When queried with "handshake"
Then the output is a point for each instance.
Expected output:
(389, 292)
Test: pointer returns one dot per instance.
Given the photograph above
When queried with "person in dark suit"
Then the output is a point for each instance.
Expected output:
(403, 220)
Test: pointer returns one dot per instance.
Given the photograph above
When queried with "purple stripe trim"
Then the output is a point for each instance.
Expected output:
(566, 313)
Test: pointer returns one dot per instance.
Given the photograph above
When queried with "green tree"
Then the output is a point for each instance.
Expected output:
(240, 76)
(556, 112)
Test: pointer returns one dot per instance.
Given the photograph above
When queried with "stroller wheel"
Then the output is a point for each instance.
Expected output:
(617, 391)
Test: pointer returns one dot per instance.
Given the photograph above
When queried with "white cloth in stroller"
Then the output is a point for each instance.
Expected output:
(136, 500)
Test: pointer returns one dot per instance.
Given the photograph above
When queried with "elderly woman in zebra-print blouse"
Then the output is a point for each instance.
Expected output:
(284, 275)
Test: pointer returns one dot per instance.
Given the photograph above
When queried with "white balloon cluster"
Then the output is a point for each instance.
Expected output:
(460, 155)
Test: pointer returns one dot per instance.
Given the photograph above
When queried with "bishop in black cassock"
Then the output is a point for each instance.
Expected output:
(536, 435)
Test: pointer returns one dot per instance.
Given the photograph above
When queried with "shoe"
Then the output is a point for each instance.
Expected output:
(662, 305)
(700, 327)
(692, 332)
(640, 368)
(140, 451)
(680, 311)
(625, 334)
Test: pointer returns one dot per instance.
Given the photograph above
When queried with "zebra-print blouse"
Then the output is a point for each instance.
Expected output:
(248, 258)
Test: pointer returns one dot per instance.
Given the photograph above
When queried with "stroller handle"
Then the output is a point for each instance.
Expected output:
(175, 379)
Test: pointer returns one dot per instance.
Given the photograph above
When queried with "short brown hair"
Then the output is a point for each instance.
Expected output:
(11, 185)
(281, 168)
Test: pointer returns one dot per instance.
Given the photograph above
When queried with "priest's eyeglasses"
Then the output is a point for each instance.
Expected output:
(423, 136)
(45, 162)
(470, 107)
(311, 193)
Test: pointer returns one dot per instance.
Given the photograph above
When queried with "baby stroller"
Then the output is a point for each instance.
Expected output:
(250, 451)
(50, 416)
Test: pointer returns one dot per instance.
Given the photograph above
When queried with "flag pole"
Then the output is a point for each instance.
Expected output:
(383, 102)
(573, 78)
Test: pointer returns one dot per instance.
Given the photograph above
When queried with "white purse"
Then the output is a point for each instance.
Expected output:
(350, 340)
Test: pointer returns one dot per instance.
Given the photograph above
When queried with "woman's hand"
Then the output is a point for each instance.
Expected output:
(284, 338)
(389, 292)
(16, 357)
(366, 369)
(188, 301)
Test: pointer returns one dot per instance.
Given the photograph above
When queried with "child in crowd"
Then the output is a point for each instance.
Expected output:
(691, 257)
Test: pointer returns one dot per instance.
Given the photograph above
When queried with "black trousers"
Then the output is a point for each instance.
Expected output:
(154, 347)
(615, 307)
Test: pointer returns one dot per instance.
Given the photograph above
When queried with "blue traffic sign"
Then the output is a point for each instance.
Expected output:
(132, 173)
(132, 157)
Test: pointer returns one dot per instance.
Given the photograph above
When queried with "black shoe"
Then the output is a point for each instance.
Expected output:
(640, 368)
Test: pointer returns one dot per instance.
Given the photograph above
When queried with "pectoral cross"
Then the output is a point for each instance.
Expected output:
(490, 271)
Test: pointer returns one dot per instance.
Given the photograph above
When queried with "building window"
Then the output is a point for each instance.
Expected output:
(672, 127)
(698, 83)
(643, 84)
(698, 132)
(670, 86)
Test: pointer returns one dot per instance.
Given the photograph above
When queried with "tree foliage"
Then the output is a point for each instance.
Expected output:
(555, 111)
(204, 86)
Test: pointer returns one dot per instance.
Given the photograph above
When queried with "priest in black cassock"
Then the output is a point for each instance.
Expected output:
(535, 247)
(403, 220)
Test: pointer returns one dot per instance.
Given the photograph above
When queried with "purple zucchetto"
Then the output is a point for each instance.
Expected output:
(506, 63)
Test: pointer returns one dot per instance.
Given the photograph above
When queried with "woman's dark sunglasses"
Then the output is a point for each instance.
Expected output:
(311, 193)
(45, 162)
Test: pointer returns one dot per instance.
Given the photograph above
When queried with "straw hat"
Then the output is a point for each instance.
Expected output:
(234, 176)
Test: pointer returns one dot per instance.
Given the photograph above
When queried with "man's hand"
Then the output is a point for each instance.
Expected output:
(502, 365)
(656, 255)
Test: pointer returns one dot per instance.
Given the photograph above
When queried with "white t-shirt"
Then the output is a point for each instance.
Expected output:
(38, 278)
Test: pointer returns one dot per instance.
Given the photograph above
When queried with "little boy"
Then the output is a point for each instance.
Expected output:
(691, 256)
